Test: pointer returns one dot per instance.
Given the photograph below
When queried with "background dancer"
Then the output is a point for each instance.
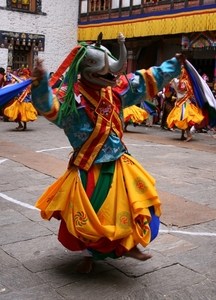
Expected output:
(186, 112)
(134, 115)
(22, 109)
(168, 104)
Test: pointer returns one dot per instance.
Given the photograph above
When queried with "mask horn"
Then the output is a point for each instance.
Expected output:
(99, 39)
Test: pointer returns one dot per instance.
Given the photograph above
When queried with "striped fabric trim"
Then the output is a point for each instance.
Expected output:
(151, 84)
(22, 96)
(103, 126)
(92, 146)
(53, 113)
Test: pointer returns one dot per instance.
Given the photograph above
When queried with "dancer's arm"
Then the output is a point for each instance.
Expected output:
(42, 97)
(145, 84)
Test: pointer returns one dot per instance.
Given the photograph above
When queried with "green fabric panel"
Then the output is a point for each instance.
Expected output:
(103, 185)
(152, 105)
(83, 176)
(99, 195)
(100, 256)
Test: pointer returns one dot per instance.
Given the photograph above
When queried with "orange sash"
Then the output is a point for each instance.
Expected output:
(151, 84)
(107, 120)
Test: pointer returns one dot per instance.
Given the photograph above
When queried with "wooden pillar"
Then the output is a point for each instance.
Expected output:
(160, 53)
(214, 80)
(131, 61)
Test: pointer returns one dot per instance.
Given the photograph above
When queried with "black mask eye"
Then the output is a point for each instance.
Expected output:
(91, 61)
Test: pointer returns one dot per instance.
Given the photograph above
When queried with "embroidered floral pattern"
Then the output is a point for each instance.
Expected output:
(105, 109)
(127, 160)
(80, 219)
(124, 220)
(144, 225)
(140, 185)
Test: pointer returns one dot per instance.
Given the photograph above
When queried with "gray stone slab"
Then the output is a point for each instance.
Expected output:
(40, 292)
(40, 184)
(205, 290)
(182, 212)
(19, 207)
(22, 231)
(169, 279)
(23, 183)
(52, 225)
(21, 195)
(210, 226)
(108, 285)
(9, 216)
(41, 253)
(7, 261)
(201, 261)
(17, 278)
(134, 268)
(145, 293)
(64, 274)
(3, 204)
(6, 186)
(203, 195)
(168, 244)
(39, 187)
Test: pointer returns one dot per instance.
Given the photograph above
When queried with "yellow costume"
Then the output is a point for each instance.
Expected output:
(132, 191)
(134, 114)
(22, 109)
(185, 113)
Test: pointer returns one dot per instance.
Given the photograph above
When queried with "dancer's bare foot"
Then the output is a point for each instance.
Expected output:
(20, 127)
(183, 138)
(137, 254)
(188, 139)
(24, 127)
(85, 266)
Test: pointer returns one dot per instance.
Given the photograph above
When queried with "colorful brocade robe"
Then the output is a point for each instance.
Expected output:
(79, 127)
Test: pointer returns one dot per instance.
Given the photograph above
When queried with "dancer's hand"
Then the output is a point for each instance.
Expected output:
(38, 71)
(121, 38)
(180, 58)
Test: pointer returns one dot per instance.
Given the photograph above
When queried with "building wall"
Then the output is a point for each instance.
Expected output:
(59, 26)
(170, 50)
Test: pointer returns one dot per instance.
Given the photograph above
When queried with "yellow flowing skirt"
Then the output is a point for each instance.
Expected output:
(135, 114)
(24, 111)
(131, 194)
(184, 116)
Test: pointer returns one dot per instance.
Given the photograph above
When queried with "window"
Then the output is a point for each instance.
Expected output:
(22, 47)
(25, 5)
(84, 7)
(21, 56)
(115, 4)
(136, 2)
(99, 5)
(125, 3)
